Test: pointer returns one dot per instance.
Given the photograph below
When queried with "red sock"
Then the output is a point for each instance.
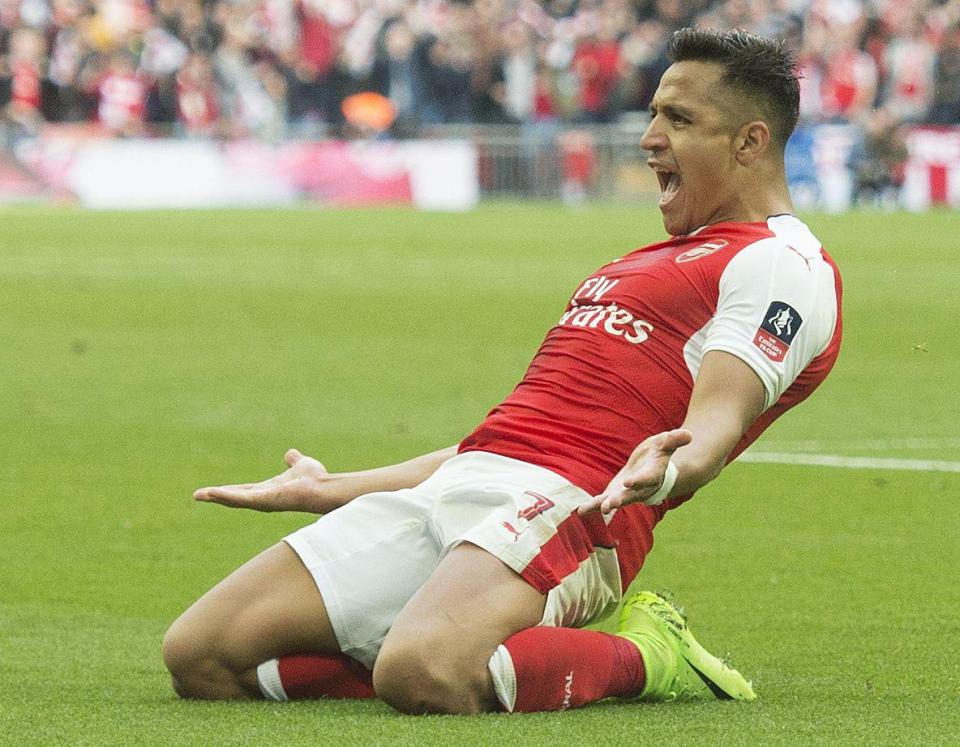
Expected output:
(305, 676)
(559, 668)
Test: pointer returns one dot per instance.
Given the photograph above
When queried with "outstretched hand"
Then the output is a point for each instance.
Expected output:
(294, 489)
(642, 475)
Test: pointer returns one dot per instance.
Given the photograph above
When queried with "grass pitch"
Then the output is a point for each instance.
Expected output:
(145, 354)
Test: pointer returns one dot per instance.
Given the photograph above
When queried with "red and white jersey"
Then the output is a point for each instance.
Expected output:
(122, 100)
(25, 86)
(620, 364)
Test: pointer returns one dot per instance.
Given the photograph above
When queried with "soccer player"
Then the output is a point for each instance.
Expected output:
(460, 581)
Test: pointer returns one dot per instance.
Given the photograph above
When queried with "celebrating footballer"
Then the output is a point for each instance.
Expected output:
(461, 581)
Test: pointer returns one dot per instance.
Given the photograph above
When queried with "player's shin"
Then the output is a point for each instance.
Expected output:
(310, 676)
(551, 669)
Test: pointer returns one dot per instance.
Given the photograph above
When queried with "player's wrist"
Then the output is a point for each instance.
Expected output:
(663, 492)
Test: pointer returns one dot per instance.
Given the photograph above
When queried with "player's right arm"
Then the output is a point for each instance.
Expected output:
(307, 486)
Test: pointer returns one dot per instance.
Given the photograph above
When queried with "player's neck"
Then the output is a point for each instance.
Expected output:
(772, 193)
(757, 201)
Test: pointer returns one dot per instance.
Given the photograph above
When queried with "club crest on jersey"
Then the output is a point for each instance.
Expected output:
(780, 325)
(704, 250)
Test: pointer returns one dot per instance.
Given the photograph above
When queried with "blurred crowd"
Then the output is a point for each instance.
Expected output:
(276, 68)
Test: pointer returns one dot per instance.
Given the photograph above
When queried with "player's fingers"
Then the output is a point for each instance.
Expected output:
(295, 458)
(673, 440)
(204, 494)
(220, 493)
(210, 496)
(258, 499)
(238, 486)
(591, 505)
(640, 483)
(253, 492)
(610, 503)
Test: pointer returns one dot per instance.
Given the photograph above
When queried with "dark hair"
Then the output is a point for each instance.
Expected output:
(765, 70)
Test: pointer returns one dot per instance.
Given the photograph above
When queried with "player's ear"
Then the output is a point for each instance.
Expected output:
(752, 142)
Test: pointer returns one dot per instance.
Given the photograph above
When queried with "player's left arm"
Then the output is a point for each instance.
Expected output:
(727, 398)
(738, 378)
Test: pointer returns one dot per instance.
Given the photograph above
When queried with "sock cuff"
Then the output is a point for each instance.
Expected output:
(504, 678)
(268, 678)
(629, 673)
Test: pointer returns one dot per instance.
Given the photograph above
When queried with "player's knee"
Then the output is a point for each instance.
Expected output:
(195, 671)
(183, 660)
(418, 678)
(414, 685)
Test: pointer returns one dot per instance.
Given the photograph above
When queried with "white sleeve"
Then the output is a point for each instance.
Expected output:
(777, 311)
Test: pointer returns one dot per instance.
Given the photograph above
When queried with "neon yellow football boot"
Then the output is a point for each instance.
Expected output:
(677, 667)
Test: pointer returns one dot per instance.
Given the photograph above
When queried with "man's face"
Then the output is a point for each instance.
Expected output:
(692, 142)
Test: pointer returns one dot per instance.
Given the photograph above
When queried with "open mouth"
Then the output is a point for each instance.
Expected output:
(669, 185)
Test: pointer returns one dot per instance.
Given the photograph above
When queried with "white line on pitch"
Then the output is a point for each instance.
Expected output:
(872, 444)
(833, 460)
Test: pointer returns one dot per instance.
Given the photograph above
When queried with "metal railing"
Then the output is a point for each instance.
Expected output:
(545, 161)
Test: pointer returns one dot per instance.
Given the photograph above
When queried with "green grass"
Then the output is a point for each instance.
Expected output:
(145, 354)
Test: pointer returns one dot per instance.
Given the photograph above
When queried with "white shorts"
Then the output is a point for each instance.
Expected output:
(369, 557)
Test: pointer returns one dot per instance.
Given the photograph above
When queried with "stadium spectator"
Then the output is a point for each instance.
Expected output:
(447, 79)
(515, 80)
(398, 75)
(198, 110)
(643, 60)
(848, 85)
(877, 160)
(162, 56)
(909, 63)
(945, 109)
(122, 97)
(675, 13)
(745, 14)
(25, 71)
(317, 47)
(73, 65)
(596, 63)
(810, 60)
(544, 96)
